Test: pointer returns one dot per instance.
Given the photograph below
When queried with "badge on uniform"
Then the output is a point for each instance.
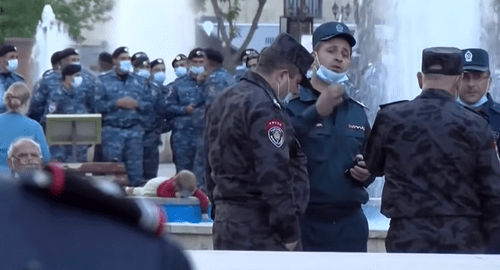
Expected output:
(275, 132)
(52, 107)
(468, 56)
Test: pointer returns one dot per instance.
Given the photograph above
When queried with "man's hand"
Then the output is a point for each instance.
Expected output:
(359, 171)
(329, 99)
(291, 246)
(190, 109)
(127, 103)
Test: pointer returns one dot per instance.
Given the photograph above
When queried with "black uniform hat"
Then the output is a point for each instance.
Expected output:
(442, 60)
(214, 55)
(179, 57)
(476, 60)
(247, 52)
(119, 51)
(7, 49)
(70, 70)
(55, 58)
(138, 55)
(330, 30)
(158, 61)
(106, 57)
(196, 52)
(287, 47)
(143, 60)
(67, 52)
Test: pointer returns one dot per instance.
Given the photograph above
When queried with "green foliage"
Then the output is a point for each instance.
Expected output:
(19, 18)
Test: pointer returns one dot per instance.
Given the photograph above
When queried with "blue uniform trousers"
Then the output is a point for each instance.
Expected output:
(183, 143)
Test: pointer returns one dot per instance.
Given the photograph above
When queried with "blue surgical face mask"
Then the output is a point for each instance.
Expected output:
(329, 76)
(197, 70)
(144, 73)
(180, 71)
(12, 65)
(159, 77)
(126, 66)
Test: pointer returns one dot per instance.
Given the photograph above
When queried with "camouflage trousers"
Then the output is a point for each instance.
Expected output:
(435, 235)
(151, 159)
(183, 143)
(64, 153)
(199, 161)
(125, 145)
(244, 228)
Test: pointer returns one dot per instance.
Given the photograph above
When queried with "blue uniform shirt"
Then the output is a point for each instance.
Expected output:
(185, 91)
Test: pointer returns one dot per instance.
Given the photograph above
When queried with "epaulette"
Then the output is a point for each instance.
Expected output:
(392, 103)
(358, 102)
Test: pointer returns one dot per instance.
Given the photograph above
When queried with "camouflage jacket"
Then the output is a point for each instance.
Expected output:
(438, 158)
(110, 88)
(63, 101)
(185, 91)
(153, 119)
(253, 157)
(6, 79)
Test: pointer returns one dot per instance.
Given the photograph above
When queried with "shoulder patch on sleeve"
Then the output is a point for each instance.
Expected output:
(392, 103)
(276, 132)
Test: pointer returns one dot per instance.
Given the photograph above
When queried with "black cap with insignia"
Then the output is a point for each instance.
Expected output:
(119, 51)
(141, 61)
(476, 60)
(67, 52)
(442, 60)
(156, 62)
(196, 52)
(7, 49)
(179, 57)
(106, 57)
(247, 52)
(331, 30)
(55, 58)
(137, 55)
(214, 55)
(287, 47)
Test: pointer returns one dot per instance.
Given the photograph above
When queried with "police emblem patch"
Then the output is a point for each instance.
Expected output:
(52, 107)
(339, 28)
(468, 56)
(275, 132)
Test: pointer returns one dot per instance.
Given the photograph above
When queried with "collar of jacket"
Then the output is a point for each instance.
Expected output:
(256, 79)
(307, 95)
(491, 105)
(435, 93)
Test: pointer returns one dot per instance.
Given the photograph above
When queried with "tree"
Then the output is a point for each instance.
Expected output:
(228, 11)
(19, 18)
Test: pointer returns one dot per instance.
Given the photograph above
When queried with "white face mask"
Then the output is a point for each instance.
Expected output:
(197, 70)
(329, 76)
(180, 71)
(126, 66)
(77, 81)
(12, 65)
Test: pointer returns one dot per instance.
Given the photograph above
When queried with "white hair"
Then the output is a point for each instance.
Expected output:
(24, 108)
(19, 141)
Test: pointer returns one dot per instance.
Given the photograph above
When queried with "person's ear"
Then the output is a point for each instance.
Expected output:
(10, 162)
(420, 77)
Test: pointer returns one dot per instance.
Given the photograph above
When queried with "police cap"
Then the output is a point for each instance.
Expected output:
(247, 52)
(476, 60)
(55, 58)
(331, 30)
(70, 70)
(67, 52)
(7, 49)
(287, 47)
(179, 57)
(196, 52)
(119, 51)
(442, 60)
(138, 55)
(106, 57)
(214, 55)
(158, 61)
(140, 61)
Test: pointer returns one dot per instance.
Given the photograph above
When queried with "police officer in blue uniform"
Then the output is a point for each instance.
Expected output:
(333, 141)
(120, 98)
(475, 86)
(8, 65)
(185, 104)
(158, 76)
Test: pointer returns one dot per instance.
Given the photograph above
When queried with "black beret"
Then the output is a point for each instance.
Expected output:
(287, 47)
(7, 49)
(156, 62)
(55, 58)
(106, 57)
(67, 52)
(179, 57)
(330, 30)
(476, 60)
(138, 55)
(442, 60)
(119, 51)
(196, 52)
(247, 52)
(214, 55)
(143, 60)
(70, 70)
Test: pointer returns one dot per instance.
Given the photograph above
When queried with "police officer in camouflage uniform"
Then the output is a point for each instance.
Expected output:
(181, 67)
(185, 104)
(442, 188)
(475, 86)
(151, 119)
(158, 76)
(121, 99)
(70, 98)
(256, 172)
(334, 220)
(216, 79)
(8, 65)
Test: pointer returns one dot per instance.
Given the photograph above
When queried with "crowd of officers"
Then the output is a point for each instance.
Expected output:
(285, 153)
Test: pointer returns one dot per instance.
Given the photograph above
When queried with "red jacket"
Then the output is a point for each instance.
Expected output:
(167, 189)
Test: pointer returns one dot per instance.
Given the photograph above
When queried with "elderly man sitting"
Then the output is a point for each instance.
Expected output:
(24, 154)
(14, 124)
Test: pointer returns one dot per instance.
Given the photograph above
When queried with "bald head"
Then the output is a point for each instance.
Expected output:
(24, 154)
(185, 184)
(17, 98)
(449, 83)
